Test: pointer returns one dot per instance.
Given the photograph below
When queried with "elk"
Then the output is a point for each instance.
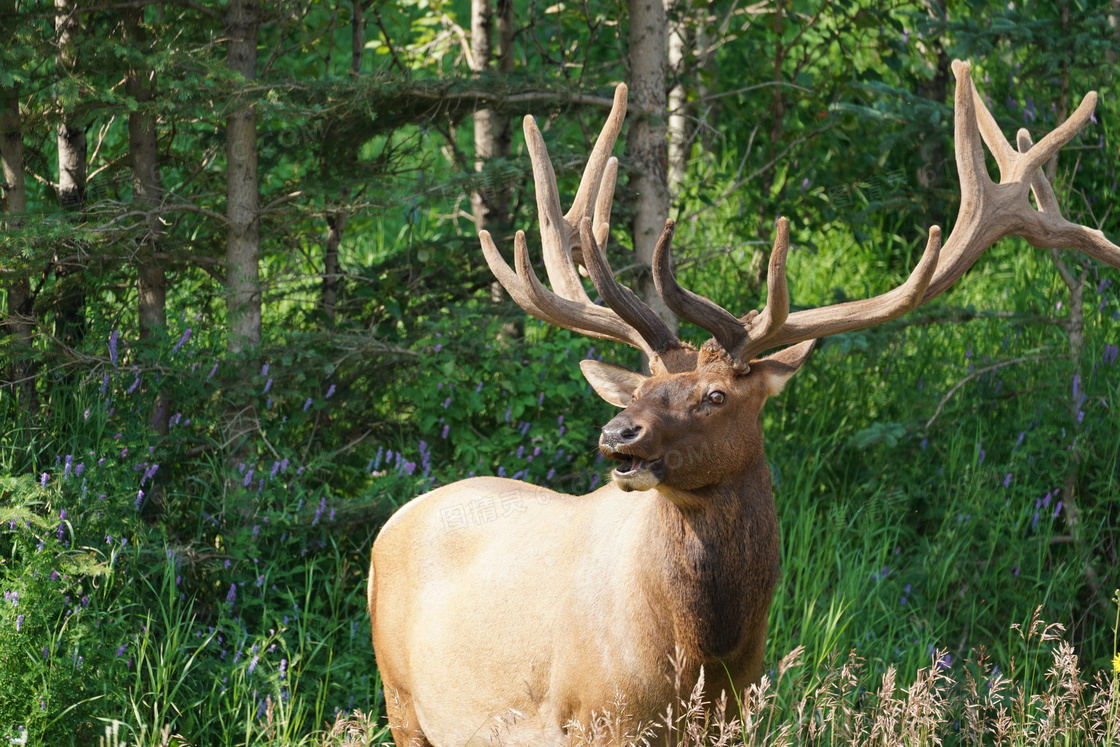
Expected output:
(515, 629)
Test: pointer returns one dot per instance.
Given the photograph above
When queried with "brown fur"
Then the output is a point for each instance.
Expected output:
(555, 607)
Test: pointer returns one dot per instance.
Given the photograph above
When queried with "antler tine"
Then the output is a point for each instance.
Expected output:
(1044, 195)
(621, 299)
(1059, 232)
(991, 211)
(508, 278)
(590, 193)
(702, 312)
(1059, 136)
(770, 322)
(554, 227)
(845, 317)
(585, 319)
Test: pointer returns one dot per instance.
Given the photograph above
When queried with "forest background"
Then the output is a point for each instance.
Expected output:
(246, 316)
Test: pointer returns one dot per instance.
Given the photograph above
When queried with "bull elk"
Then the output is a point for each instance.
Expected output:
(514, 630)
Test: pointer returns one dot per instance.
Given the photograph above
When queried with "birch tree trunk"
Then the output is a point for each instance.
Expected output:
(678, 123)
(647, 144)
(493, 133)
(20, 320)
(243, 293)
(144, 162)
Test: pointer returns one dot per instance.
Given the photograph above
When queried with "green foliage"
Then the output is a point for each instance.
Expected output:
(207, 585)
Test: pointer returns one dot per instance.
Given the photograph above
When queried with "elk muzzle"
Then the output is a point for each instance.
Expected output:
(629, 442)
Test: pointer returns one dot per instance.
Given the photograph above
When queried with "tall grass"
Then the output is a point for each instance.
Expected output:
(214, 603)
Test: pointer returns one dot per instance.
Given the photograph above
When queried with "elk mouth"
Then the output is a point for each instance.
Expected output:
(634, 472)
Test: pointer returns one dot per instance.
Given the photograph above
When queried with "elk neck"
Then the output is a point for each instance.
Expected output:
(719, 560)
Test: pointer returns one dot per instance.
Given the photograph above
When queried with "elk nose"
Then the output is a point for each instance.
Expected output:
(619, 433)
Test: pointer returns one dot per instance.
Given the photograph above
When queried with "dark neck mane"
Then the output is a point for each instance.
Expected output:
(721, 561)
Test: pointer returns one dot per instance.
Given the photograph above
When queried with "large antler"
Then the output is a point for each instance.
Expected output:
(580, 234)
(988, 213)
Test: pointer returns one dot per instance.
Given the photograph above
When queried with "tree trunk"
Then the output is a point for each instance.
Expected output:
(144, 162)
(20, 321)
(647, 144)
(493, 133)
(678, 123)
(336, 221)
(243, 293)
(70, 324)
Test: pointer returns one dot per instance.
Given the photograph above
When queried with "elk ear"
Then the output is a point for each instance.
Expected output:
(778, 368)
(614, 384)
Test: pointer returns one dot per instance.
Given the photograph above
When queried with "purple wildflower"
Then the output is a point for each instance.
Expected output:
(264, 370)
(307, 404)
(267, 386)
(248, 479)
(43, 480)
(134, 385)
(139, 498)
(446, 430)
(19, 623)
(330, 391)
(231, 595)
(438, 348)
(1057, 509)
(113, 337)
(283, 667)
(1007, 480)
(186, 336)
(121, 650)
(213, 371)
(253, 664)
(104, 384)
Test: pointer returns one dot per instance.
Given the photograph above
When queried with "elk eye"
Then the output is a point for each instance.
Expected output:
(716, 398)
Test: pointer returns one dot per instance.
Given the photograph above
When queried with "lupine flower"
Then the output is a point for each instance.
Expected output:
(69, 463)
(139, 498)
(213, 371)
(447, 403)
(283, 667)
(19, 623)
(446, 430)
(104, 384)
(1057, 509)
(307, 404)
(253, 664)
(267, 386)
(409, 468)
(43, 480)
(264, 370)
(79, 469)
(330, 391)
(135, 384)
(113, 337)
(231, 595)
(186, 336)
(248, 479)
